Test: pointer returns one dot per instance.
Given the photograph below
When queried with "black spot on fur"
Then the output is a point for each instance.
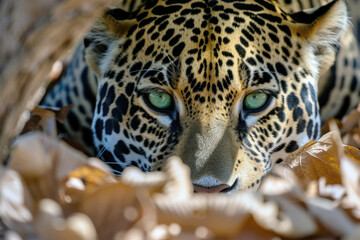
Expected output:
(309, 129)
(135, 122)
(138, 46)
(297, 113)
(278, 148)
(240, 50)
(162, 10)
(122, 105)
(280, 68)
(129, 88)
(73, 121)
(300, 127)
(280, 160)
(292, 146)
(292, 101)
(99, 125)
(178, 49)
(251, 7)
(274, 38)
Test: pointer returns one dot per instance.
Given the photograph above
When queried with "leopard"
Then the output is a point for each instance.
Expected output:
(232, 87)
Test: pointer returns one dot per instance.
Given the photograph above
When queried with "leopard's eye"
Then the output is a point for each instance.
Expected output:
(256, 101)
(161, 101)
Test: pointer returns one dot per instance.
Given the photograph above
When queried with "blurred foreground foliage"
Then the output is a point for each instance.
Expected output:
(52, 191)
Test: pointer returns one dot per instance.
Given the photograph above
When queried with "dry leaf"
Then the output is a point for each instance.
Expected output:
(351, 180)
(316, 160)
(162, 205)
(326, 127)
(350, 169)
(351, 121)
(50, 223)
(12, 235)
(30, 155)
(82, 181)
(178, 186)
(284, 217)
(204, 210)
(52, 112)
(44, 119)
(14, 199)
(112, 208)
(253, 231)
(355, 235)
(352, 153)
(353, 137)
(52, 169)
(281, 181)
(333, 218)
(134, 177)
(334, 191)
(56, 72)
(43, 162)
(349, 127)
(131, 234)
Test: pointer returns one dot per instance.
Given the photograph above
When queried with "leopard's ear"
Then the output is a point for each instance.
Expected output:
(322, 28)
(107, 31)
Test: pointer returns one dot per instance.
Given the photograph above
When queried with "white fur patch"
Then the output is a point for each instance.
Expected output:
(164, 120)
(251, 120)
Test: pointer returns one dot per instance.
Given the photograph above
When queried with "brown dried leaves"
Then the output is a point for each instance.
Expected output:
(52, 191)
(55, 192)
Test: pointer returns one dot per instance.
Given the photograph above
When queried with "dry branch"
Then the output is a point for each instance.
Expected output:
(35, 34)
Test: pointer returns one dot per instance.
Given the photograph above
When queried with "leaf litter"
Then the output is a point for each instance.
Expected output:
(50, 190)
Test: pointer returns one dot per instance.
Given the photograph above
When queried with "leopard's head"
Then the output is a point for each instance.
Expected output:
(229, 86)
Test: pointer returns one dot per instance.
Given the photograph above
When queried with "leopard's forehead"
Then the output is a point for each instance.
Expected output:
(214, 47)
(211, 30)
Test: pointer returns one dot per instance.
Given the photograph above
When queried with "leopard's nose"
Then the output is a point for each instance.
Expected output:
(215, 189)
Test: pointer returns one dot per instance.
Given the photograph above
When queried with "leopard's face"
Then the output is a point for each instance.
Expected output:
(229, 86)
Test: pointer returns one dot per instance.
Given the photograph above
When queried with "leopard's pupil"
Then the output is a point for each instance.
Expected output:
(255, 101)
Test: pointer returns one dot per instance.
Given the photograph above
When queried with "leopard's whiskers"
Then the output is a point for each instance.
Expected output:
(101, 152)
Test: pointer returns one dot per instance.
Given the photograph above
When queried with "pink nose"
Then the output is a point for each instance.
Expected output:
(216, 189)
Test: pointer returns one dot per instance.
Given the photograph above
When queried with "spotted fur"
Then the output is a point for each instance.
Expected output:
(208, 55)
(343, 77)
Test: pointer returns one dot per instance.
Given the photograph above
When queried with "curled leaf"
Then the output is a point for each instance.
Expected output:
(316, 160)
(178, 185)
(44, 119)
(351, 181)
(51, 224)
(330, 216)
(135, 177)
(118, 211)
(83, 180)
(15, 203)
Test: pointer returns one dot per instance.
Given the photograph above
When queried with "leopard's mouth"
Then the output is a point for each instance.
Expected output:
(233, 188)
(220, 188)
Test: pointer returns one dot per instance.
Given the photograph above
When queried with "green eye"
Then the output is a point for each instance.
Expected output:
(255, 101)
(161, 101)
